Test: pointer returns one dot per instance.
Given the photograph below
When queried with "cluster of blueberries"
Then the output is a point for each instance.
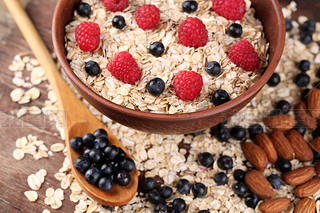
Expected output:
(101, 162)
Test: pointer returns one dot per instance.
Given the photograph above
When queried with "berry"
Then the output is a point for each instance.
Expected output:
(165, 192)
(119, 22)
(300, 128)
(304, 65)
(156, 49)
(100, 133)
(160, 208)
(189, 6)
(316, 132)
(238, 132)
(125, 68)
(252, 200)
(306, 38)
(275, 181)
(123, 178)
(195, 134)
(221, 178)
(187, 85)
(244, 55)
(316, 155)
(88, 36)
(95, 155)
(203, 211)
(93, 175)
(309, 26)
(115, 165)
(283, 165)
(156, 86)
(288, 24)
(223, 134)
(88, 139)
(254, 130)
(86, 152)
(225, 162)
(239, 175)
(274, 80)
(111, 152)
(199, 190)
(240, 188)
(147, 16)
(317, 85)
(302, 80)
(106, 169)
(183, 186)
(230, 9)
(82, 164)
(219, 97)
(105, 184)
(213, 68)
(128, 165)
(154, 197)
(193, 33)
(318, 73)
(115, 5)
(121, 153)
(101, 143)
(205, 159)
(179, 204)
(148, 184)
(304, 94)
(84, 9)
(76, 143)
(283, 106)
(235, 30)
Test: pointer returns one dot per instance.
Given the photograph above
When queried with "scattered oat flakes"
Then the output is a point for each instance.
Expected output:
(18, 154)
(34, 93)
(31, 195)
(57, 147)
(16, 94)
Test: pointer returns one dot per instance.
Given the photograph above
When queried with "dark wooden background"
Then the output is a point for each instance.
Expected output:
(13, 174)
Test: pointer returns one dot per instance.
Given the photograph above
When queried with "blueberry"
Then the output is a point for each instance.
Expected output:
(240, 188)
(199, 190)
(223, 134)
(239, 175)
(121, 153)
(317, 85)
(93, 175)
(106, 169)
(316, 132)
(318, 73)
(84, 9)
(123, 178)
(220, 97)
(115, 165)
(238, 132)
(204, 211)
(221, 178)
(283, 106)
(100, 133)
(252, 200)
(205, 159)
(82, 164)
(76, 143)
(165, 192)
(148, 184)
(304, 65)
(101, 143)
(300, 128)
(154, 197)
(128, 165)
(316, 155)
(92, 68)
(302, 80)
(171, 210)
(110, 208)
(195, 134)
(119, 22)
(95, 155)
(309, 26)
(213, 68)
(283, 165)
(304, 94)
(254, 130)
(275, 181)
(183, 186)
(288, 24)
(88, 139)
(86, 152)
(274, 80)
(156, 86)
(189, 6)
(179, 204)
(156, 48)
(160, 208)
(225, 162)
(306, 38)
(111, 152)
(105, 184)
(235, 30)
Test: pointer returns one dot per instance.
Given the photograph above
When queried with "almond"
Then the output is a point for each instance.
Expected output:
(266, 144)
(318, 168)
(315, 144)
(298, 176)
(274, 205)
(304, 117)
(306, 205)
(300, 146)
(280, 122)
(258, 184)
(255, 155)
(307, 189)
(313, 101)
(282, 145)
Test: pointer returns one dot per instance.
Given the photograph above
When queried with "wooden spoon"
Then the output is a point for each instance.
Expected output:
(78, 120)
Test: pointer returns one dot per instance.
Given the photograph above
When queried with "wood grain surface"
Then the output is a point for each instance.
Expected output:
(13, 175)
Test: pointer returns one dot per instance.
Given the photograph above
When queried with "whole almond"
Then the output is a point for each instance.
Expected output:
(282, 145)
(306, 205)
(304, 117)
(266, 144)
(315, 144)
(280, 122)
(258, 184)
(255, 155)
(274, 205)
(307, 189)
(300, 146)
(318, 168)
(313, 102)
(298, 176)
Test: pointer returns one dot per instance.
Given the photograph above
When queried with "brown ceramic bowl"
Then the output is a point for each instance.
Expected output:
(270, 14)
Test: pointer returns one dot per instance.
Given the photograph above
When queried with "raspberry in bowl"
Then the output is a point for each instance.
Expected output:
(190, 39)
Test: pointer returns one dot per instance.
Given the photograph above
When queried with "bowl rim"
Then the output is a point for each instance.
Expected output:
(59, 49)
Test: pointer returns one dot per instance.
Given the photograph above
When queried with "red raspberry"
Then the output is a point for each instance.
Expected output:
(230, 9)
(193, 33)
(244, 55)
(88, 36)
(147, 16)
(125, 68)
(115, 5)
(187, 85)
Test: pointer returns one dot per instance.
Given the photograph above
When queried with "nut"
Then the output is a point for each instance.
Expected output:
(255, 155)
(266, 144)
(280, 122)
(315, 144)
(306, 205)
(300, 146)
(313, 101)
(298, 176)
(282, 145)
(274, 205)
(307, 189)
(304, 117)
(258, 184)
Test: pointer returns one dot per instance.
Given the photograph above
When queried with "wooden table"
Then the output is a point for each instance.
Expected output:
(13, 175)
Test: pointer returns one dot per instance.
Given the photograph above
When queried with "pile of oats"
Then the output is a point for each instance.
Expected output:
(176, 57)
